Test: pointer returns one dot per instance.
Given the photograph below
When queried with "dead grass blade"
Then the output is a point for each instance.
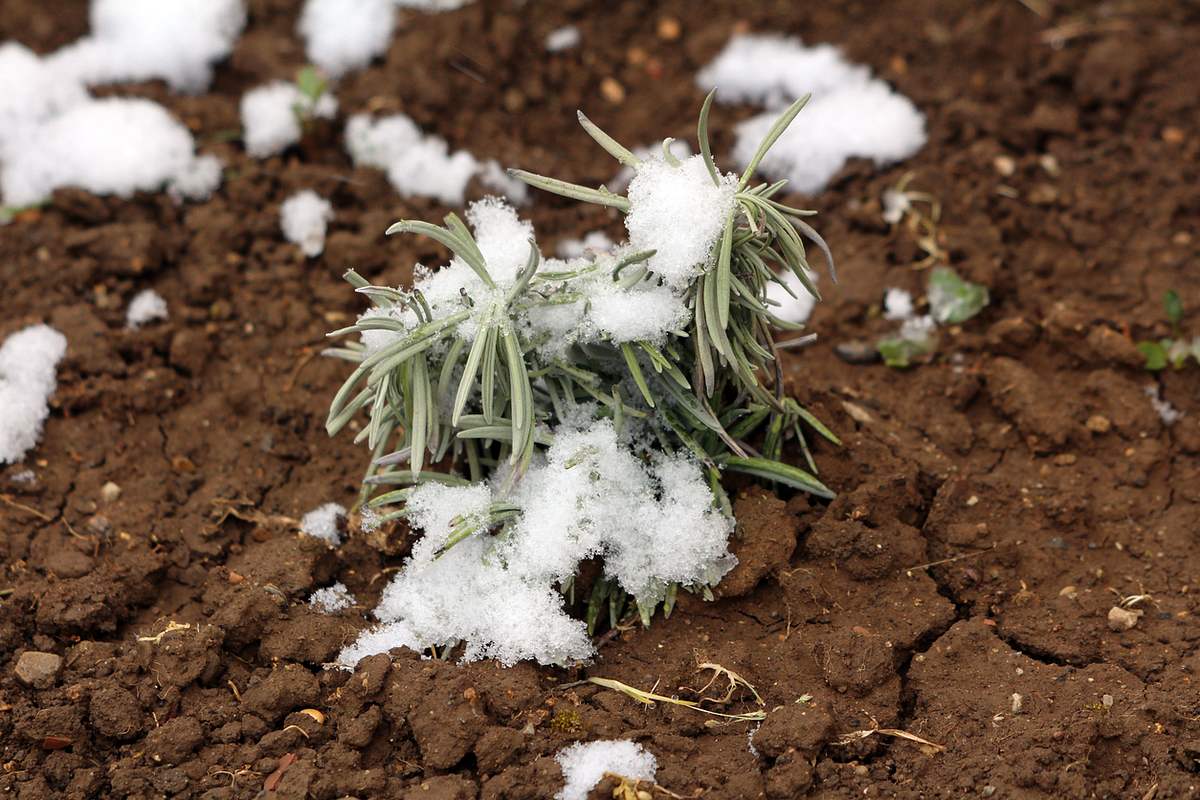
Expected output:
(734, 679)
(650, 698)
(927, 747)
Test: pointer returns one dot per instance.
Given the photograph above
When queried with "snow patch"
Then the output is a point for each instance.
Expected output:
(897, 304)
(28, 360)
(146, 306)
(563, 38)
(332, 599)
(584, 764)
(322, 522)
(1168, 413)
(796, 306)
(343, 35)
(592, 242)
(851, 114)
(304, 217)
(273, 116)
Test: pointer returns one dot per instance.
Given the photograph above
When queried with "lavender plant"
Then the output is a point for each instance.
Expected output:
(470, 376)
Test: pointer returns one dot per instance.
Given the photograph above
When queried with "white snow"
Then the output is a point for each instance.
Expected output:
(432, 5)
(420, 164)
(851, 114)
(895, 205)
(273, 115)
(653, 522)
(33, 92)
(136, 40)
(563, 38)
(343, 35)
(322, 522)
(304, 217)
(680, 213)
(789, 308)
(921, 331)
(1168, 413)
(584, 764)
(109, 146)
(28, 359)
(897, 304)
(146, 306)
(332, 598)
(198, 180)
(592, 242)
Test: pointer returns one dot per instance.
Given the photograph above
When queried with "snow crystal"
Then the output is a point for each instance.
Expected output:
(342, 35)
(137, 40)
(679, 213)
(584, 764)
(897, 304)
(322, 522)
(563, 38)
(332, 598)
(417, 164)
(303, 217)
(146, 306)
(653, 523)
(272, 116)
(1168, 413)
(592, 242)
(851, 114)
(28, 359)
(109, 146)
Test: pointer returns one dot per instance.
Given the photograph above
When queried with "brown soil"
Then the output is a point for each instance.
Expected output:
(987, 520)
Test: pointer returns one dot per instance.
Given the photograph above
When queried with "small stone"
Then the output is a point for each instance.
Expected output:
(1106, 700)
(1056, 543)
(669, 29)
(1005, 165)
(1017, 702)
(862, 770)
(1069, 592)
(38, 670)
(1173, 135)
(1122, 619)
(988, 790)
(110, 493)
(856, 351)
(612, 90)
(1098, 424)
(1065, 459)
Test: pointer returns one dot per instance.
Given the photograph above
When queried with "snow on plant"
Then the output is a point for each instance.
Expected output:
(304, 217)
(28, 359)
(527, 414)
(952, 300)
(137, 40)
(852, 114)
(274, 116)
(584, 765)
(146, 306)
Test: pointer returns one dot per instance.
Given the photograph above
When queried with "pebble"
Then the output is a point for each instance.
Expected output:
(856, 351)
(988, 790)
(38, 670)
(1098, 424)
(669, 29)
(110, 492)
(612, 90)
(1122, 619)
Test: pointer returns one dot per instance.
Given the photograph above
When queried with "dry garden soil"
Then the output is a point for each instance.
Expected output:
(993, 504)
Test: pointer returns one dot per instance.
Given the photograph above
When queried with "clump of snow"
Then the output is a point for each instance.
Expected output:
(851, 114)
(678, 148)
(332, 598)
(592, 242)
(652, 521)
(146, 306)
(198, 180)
(897, 304)
(273, 116)
(304, 217)
(420, 164)
(33, 92)
(109, 146)
(343, 35)
(136, 40)
(584, 764)
(895, 205)
(563, 38)
(28, 359)
(796, 306)
(322, 522)
(680, 213)
(1168, 413)
(921, 331)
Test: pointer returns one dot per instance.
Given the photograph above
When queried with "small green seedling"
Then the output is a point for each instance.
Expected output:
(952, 300)
(312, 86)
(1172, 351)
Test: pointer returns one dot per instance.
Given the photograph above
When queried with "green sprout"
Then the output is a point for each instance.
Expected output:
(312, 86)
(1172, 351)
(450, 406)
